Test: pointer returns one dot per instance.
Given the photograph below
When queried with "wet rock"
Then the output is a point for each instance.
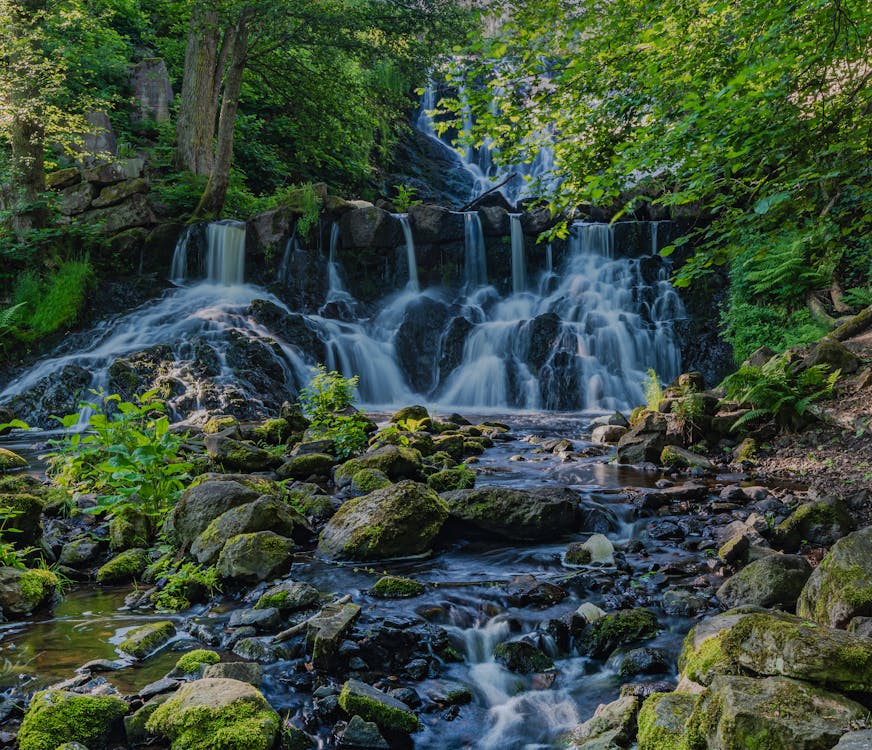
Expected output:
(56, 716)
(369, 227)
(239, 455)
(608, 434)
(326, 631)
(57, 393)
(597, 549)
(201, 505)
(24, 513)
(361, 735)
(124, 567)
(522, 657)
(255, 557)
(261, 619)
(134, 724)
(663, 719)
(145, 639)
(526, 591)
(772, 581)
(129, 528)
(255, 649)
(305, 466)
(358, 698)
(396, 521)
(612, 727)
(453, 341)
(840, 588)
(515, 514)
(158, 687)
(448, 480)
(735, 549)
(23, 591)
(290, 596)
(740, 712)
(9, 461)
(645, 440)
(418, 341)
(622, 628)
(449, 693)
(393, 587)
(682, 603)
(395, 462)
(644, 661)
(244, 671)
(673, 455)
(820, 523)
(264, 514)
(778, 644)
(210, 713)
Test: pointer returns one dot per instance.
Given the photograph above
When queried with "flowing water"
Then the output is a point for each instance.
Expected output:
(474, 258)
(411, 259)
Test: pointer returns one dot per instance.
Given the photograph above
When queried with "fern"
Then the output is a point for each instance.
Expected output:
(653, 390)
(786, 271)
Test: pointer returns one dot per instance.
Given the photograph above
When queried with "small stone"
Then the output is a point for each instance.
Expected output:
(522, 657)
(261, 619)
(244, 671)
(140, 642)
(362, 735)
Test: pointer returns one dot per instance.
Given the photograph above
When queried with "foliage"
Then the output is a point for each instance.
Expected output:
(404, 198)
(779, 390)
(328, 402)
(185, 584)
(653, 390)
(10, 555)
(856, 297)
(747, 114)
(688, 409)
(311, 205)
(128, 457)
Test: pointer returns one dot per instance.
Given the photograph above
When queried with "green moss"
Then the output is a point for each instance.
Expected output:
(277, 600)
(56, 717)
(703, 663)
(10, 460)
(387, 717)
(851, 585)
(459, 478)
(522, 657)
(618, 629)
(141, 641)
(37, 586)
(219, 424)
(125, 567)
(369, 480)
(273, 432)
(394, 587)
(663, 721)
(193, 660)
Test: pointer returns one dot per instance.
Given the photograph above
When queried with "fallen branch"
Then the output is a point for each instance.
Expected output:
(850, 328)
(477, 199)
(300, 626)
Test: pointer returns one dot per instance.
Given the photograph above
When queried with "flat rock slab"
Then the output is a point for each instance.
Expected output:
(326, 631)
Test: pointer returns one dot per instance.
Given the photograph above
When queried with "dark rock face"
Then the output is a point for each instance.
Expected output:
(453, 340)
(418, 340)
(292, 328)
(58, 393)
(433, 169)
(432, 224)
(152, 90)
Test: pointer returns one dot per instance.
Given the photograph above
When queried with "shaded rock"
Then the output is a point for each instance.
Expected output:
(395, 462)
(644, 661)
(255, 557)
(525, 591)
(515, 514)
(305, 466)
(114, 194)
(772, 581)
(419, 337)
(369, 227)
(395, 521)
(289, 596)
(201, 505)
(834, 354)
(682, 603)
(522, 657)
(76, 199)
(362, 735)
(645, 441)
(612, 727)
(239, 455)
(133, 212)
(820, 523)
(861, 740)
(607, 433)
(141, 641)
(602, 636)
(673, 455)
(358, 698)
(63, 178)
(23, 591)
(327, 630)
(152, 91)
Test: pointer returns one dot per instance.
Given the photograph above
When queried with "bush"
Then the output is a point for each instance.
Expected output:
(328, 402)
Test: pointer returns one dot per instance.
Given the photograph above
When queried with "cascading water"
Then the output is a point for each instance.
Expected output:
(519, 254)
(225, 258)
(410, 252)
(474, 261)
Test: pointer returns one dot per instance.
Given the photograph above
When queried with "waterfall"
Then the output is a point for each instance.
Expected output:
(179, 265)
(549, 258)
(291, 246)
(519, 256)
(410, 252)
(474, 262)
(225, 254)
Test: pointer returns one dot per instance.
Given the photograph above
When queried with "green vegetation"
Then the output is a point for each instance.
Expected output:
(184, 584)
(394, 587)
(193, 660)
(653, 390)
(328, 403)
(141, 641)
(56, 717)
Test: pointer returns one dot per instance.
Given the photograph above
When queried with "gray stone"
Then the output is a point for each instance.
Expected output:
(202, 504)
(372, 704)
(255, 557)
(370, 227)
(613, 726)
(326, 630)
(76, 199)
(244, 671)
(644, 442)
(114, 171)
(289, 596)
(262, 619)
(362, 735)
(607, 433)
(121, 191)
(152, 91)
(861, 740)
(772, 581)
(99, 142)
(255, 649)
(134, 212)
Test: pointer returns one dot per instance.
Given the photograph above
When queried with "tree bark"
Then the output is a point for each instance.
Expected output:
(212, 202)
(201, 79)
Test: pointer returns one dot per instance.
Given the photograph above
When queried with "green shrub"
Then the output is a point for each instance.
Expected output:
(749, 326)
(328, 401)
(653, 390)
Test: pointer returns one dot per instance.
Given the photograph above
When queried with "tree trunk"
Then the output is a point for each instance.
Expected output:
(212, 202)
(195, 129)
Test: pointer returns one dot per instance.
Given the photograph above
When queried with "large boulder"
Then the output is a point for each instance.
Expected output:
(663, 720)
(395, 462)
(840, 588)
(23, 591)
(776, 643)
(645, 441)
(821, 522)
(418, 341)
(257, 556)
(602, 636)
(369, 227)
(152, 91)
(57, 716)
(395, 521)
(133, 212)
(216, 714)
(771, 581)
(524, 515)
(201, 505)
(612, 726)
(264, 514)
(434, 224)
(113, 194)
(776, 712)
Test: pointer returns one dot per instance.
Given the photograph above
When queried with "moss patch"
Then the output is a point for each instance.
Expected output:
(621, 628)
(125, 567)
(394, 587)
(37, 586)
(56, 717)
(370, 704)
(369, 480)
(141, 641)
(663, 721)
(193, 660)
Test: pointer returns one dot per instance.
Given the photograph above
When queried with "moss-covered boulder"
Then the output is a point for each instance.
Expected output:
(191, 662)
(359, 699)
(522, 657)
(307, 465)
(522, 515)
(674, 455)
(124, 567)
(57, 716)
(25, 514)
(203, 503)
(216, 714)
(394, 587)
(821, 523)
(128, 529)
(145, 639)
(264, 514)
(771, 581)
(276, 431)
(416, 413)
(255, 557)
(289, 596)
(447, 480)
(228, 454)
(10, 461)
(23, 591)
(395, 521)
(220, 423)
(769, 714)
(840, 588)
(777, 643)
(663, 721)
(612, 726)
(601, 637)
(396, 462)
(368, 480)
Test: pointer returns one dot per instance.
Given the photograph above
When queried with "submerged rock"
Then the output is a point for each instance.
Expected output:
(395, 521)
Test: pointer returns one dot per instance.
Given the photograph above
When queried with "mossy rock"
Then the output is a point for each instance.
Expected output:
(410, 413)
(129, 529)
(602, 637)
(394, 587)
(771, 581)
(395, 462)
(305, 466)
(192, 661)
(522, 657)
(145, 639)
(673, 455)
(663, 721)
(255, 557)
(822, 523)
(840, 588)
(612, 726)
(204, 501)
(124, 567)
(11, 461)
(26, 516)
(216, 714)
(134, 724)
(368, 480)
(359, 699)
(273, 432)
(446, 480)
(289, 596)
(57, 716)
(220, 423)
(23, 591)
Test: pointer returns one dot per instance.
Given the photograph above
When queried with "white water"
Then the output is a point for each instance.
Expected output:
(474, 260)
(410, 252)
(225, 259)
(519, 255)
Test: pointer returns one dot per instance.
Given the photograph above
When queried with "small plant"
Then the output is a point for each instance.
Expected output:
(311, 205)
(653, 390)
(328, 402)
(10, 556)
(858, 297)
(688, 411)
(185, 584)
(404, 198)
